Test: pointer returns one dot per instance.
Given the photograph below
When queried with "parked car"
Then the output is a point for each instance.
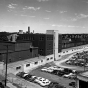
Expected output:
(72, 84)
(29, 77)
(42, 81)
(49, 70)
(44, 69)
(54, 67)
(67, 70)
(57, 72)
(68, 62)
(21, 74)
(67, 75)
(73, 76)
(55, 85)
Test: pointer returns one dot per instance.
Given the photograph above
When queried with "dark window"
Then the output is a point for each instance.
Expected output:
(17, 68)
(9, 60)
(36, 62)
(51, 58)
(59, 55)
(41, 60)
(30, 49)
(47, 58)
(27, 65)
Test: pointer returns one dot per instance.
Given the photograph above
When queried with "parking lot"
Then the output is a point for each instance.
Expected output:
(60, 77)
(79, 61)
(61, 80)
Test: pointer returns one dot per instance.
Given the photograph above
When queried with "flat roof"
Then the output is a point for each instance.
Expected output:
(19, 63)
(83, 76)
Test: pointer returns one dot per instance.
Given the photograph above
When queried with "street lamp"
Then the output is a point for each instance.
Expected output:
(6, 64)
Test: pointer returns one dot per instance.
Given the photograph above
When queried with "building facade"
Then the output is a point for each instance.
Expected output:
(17, 51)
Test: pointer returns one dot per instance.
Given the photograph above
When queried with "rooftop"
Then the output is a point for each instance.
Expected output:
(83, 76)
(26, 61)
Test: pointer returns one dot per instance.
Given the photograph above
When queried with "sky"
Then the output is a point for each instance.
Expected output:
(66, 16)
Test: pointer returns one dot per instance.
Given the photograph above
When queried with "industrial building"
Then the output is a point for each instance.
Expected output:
(17, 51)
(22, 47)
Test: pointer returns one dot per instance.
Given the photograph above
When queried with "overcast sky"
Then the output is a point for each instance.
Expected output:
(68, 16)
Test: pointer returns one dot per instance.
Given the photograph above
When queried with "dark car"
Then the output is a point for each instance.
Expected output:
(72, 84)
(55, 72)
(55, 85)
(61, 73)
(67, 70)
(21, 74)
(29, 78)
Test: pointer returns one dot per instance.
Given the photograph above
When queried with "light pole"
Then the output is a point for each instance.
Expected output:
(6, 64)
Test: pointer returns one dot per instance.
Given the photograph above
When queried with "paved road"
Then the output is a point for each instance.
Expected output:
(59, 63)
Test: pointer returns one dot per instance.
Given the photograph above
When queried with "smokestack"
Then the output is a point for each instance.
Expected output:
(33, 31)
(28, 29)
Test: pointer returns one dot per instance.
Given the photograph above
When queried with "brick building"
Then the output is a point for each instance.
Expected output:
(17, 51)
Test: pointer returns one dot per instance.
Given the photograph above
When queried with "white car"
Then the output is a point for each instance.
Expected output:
(67, 75)
(44, 69)
(42, 81)
(54, 67)
(49, 70)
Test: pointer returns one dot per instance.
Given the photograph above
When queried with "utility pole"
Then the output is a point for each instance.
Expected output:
(6, 64)
(54, 45)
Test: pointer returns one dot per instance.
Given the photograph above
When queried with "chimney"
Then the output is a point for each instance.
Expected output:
(33, 31)
(28, 29)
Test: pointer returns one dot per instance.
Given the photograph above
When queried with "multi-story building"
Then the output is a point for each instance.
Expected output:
(44, 42)
(17, 51)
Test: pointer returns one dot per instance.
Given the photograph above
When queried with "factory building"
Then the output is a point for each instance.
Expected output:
(17, 51)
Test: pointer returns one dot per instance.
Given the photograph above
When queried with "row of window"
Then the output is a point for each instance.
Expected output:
(27, 65)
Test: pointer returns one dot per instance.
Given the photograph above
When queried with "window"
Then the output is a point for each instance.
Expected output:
(27, 65)
(10, 60)
(47, 58)
(51, 58)
(30, 49)
(41, 60)
(17, 68)
(36, 62)
(41, 38)
(63, 52)
(59, 55)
